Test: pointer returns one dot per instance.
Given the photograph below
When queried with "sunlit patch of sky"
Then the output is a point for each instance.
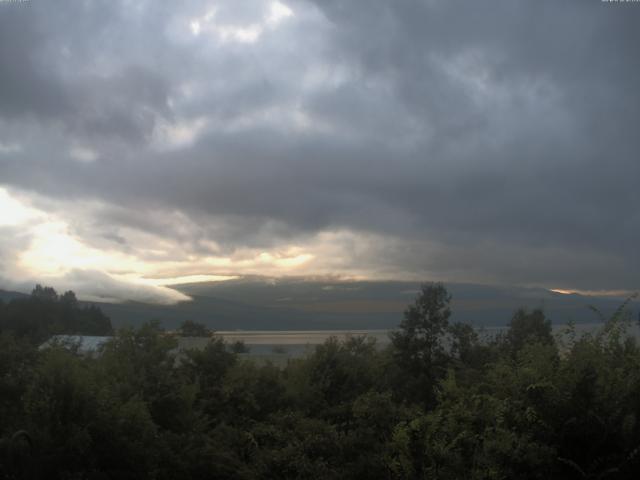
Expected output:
(54, 252)
(248, 33)
(13, 212)
(595, 293)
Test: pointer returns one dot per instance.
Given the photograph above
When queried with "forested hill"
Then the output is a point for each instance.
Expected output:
(259, 303)
(6, 295)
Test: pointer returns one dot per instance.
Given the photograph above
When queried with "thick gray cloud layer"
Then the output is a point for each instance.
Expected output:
(486, 141)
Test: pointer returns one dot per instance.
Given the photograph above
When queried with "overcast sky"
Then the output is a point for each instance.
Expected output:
(142, 142)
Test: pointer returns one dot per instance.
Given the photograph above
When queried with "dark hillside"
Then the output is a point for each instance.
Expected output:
(257, 303)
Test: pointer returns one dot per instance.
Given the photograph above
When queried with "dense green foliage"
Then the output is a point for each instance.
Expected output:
(189, 328)
(46, 313)
(436, 403)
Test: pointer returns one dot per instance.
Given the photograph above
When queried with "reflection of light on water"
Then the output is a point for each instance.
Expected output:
(316, 337)
(298, 337)
(299, 342)
(294, 343)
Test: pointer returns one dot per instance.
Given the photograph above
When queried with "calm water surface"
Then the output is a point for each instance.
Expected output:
(296, 342)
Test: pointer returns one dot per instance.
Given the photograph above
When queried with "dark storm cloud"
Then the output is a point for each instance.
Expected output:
(27, 87)
(502, 134)
(64, 65)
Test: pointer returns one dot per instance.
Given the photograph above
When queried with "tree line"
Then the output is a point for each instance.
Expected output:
(45, 313)
(437, 402)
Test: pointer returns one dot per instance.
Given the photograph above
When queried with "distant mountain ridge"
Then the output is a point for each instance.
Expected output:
(258, 303)
(7, 295)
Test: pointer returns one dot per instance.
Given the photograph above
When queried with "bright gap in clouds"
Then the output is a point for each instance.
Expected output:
(187, 279)
(55, 255)
(248, 33)
(12, 211)
(54, 252)
(278, 12)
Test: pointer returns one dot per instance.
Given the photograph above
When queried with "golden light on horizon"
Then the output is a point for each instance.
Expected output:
(562, 291)
(594, 293)
(53, 251)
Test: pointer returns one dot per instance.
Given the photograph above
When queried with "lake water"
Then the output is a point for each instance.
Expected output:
(299, 342)
(295, 342)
